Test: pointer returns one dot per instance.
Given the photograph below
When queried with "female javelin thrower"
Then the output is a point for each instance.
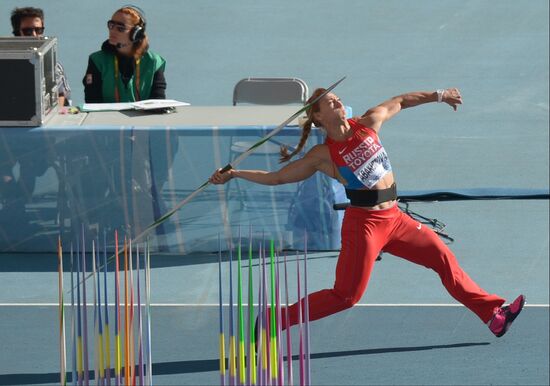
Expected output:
(354, 155)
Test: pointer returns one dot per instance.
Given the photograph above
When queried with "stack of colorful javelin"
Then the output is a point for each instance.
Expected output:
(263, 363)
(137, 342)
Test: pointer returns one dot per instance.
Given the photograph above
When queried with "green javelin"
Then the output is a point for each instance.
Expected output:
(231, 165)
(239, 159)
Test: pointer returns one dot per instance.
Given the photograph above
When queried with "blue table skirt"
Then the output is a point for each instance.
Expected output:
(60, 180)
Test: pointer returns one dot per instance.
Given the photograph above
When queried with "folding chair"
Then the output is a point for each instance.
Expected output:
(270, 91)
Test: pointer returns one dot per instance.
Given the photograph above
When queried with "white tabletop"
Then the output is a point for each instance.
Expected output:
(184, 116)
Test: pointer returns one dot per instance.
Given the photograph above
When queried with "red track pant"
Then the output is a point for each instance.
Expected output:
(364, 234)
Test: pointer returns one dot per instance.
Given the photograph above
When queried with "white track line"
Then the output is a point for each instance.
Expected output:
(246, 305)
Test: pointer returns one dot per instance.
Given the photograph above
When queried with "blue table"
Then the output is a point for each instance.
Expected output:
(81, 172)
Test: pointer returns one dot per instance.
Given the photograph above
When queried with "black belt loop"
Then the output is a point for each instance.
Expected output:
(371, 197)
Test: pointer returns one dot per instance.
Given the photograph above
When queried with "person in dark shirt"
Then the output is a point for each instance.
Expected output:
(29, 22)
(31, 157)
(125, 70)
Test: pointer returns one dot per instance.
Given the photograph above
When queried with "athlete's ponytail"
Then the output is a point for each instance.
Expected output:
(306, 127)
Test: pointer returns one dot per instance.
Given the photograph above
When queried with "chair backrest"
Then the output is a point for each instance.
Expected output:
(270, 91)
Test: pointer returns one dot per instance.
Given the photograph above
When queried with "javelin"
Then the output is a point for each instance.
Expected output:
(232, 164)
(239, 159)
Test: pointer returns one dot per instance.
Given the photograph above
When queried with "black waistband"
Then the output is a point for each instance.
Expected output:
(371, 197)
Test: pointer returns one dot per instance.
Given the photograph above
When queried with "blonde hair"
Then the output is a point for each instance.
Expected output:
(306, 128)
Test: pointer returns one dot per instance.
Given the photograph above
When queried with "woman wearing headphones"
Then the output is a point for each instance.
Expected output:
(125, 70)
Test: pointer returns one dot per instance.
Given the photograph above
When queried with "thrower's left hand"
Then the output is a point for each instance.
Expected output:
(452, 97)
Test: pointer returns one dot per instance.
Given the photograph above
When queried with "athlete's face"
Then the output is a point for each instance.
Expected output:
(330, 109)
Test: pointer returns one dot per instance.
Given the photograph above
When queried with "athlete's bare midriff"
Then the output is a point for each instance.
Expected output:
(386, 182)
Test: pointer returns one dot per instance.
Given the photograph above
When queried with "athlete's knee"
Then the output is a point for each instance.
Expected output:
(438, 256)
(444, 263)
(348, 300)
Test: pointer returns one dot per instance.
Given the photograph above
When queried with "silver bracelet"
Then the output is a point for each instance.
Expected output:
(440, 95)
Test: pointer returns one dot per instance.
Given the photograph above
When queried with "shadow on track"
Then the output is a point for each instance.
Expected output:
(205, 365)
